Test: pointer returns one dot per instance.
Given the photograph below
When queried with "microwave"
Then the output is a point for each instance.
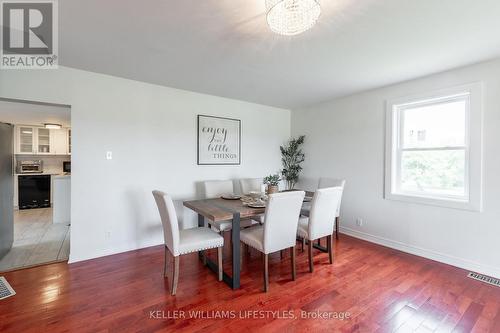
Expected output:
(35, 166)
(67, 167)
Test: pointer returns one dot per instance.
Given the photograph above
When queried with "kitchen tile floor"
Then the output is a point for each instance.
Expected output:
(36, 240)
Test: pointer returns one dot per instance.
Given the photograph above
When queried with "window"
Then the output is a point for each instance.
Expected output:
(434, 148)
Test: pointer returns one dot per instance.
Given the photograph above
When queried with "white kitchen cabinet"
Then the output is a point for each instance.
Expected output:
(44, 143)
(62, 199)
(33, 140)
(59, 142)
(25, 140)
(68, 135)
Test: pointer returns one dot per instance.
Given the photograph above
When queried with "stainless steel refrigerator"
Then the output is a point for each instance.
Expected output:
(6, 188)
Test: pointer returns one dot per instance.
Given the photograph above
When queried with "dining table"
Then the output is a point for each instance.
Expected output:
(215, 210)
(218, 209)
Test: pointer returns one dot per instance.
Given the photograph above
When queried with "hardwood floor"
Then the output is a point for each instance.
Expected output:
(36, 240)
(383, 290)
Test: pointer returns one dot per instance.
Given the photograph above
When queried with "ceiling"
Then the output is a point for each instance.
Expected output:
(34, 114)
(224, 47)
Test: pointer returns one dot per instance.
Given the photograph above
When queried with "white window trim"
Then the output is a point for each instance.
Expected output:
(473, 150)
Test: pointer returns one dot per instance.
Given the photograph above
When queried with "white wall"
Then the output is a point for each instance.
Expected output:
(345, 138)
(152, 133)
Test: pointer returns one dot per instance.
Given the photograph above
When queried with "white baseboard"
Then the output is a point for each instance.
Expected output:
(421, 252)
(109, 251)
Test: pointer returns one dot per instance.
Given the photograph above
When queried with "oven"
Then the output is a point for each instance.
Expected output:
(34, 191)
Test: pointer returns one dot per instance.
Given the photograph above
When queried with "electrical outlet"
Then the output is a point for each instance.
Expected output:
(359, 222)
(109, 155)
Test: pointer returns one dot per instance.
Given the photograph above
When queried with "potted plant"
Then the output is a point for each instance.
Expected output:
(272, 182)
(291, 157)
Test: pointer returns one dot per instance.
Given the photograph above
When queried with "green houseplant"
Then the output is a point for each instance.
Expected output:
(272, 182)
(291, 158)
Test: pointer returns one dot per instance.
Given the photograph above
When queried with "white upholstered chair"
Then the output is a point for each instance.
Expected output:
(326, 183)
(308, 184)
(280, 230)
(320, 221)
(250, 184)
(179, 242)
(215, 189)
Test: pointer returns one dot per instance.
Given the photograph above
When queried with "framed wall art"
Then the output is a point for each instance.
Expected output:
(219, 141)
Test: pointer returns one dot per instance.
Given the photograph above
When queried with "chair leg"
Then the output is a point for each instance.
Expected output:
(337, 222)
(219, 261)
(281, 254)
(310, 250)
(329, 240)
(292, 255)
(303, 243)
(222, 234)
(266, 272)
(175, 279)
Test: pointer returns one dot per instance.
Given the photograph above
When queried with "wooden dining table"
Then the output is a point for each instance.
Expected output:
(215, 210)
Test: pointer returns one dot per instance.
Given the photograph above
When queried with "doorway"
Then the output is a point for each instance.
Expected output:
(37, 185)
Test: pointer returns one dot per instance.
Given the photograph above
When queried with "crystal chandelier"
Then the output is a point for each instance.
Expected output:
(292, 17)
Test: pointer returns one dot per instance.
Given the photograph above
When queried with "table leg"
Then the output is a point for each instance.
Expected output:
(236, 251)
(234, 280)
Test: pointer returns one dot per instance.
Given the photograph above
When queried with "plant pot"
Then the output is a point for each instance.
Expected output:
(272, 189)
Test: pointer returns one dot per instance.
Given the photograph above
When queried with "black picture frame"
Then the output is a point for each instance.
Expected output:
(198, 140)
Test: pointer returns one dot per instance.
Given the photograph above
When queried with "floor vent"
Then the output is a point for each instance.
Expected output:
(484, 278)
(5, 289)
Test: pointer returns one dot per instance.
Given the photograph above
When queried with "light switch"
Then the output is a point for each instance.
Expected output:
(109, 155)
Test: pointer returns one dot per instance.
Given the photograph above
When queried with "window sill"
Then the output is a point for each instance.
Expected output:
(446, 203)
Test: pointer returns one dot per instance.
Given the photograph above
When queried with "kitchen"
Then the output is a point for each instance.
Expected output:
(40, 178)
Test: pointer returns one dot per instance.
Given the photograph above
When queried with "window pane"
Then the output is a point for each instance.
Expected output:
(438, 125)
(439, 172)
